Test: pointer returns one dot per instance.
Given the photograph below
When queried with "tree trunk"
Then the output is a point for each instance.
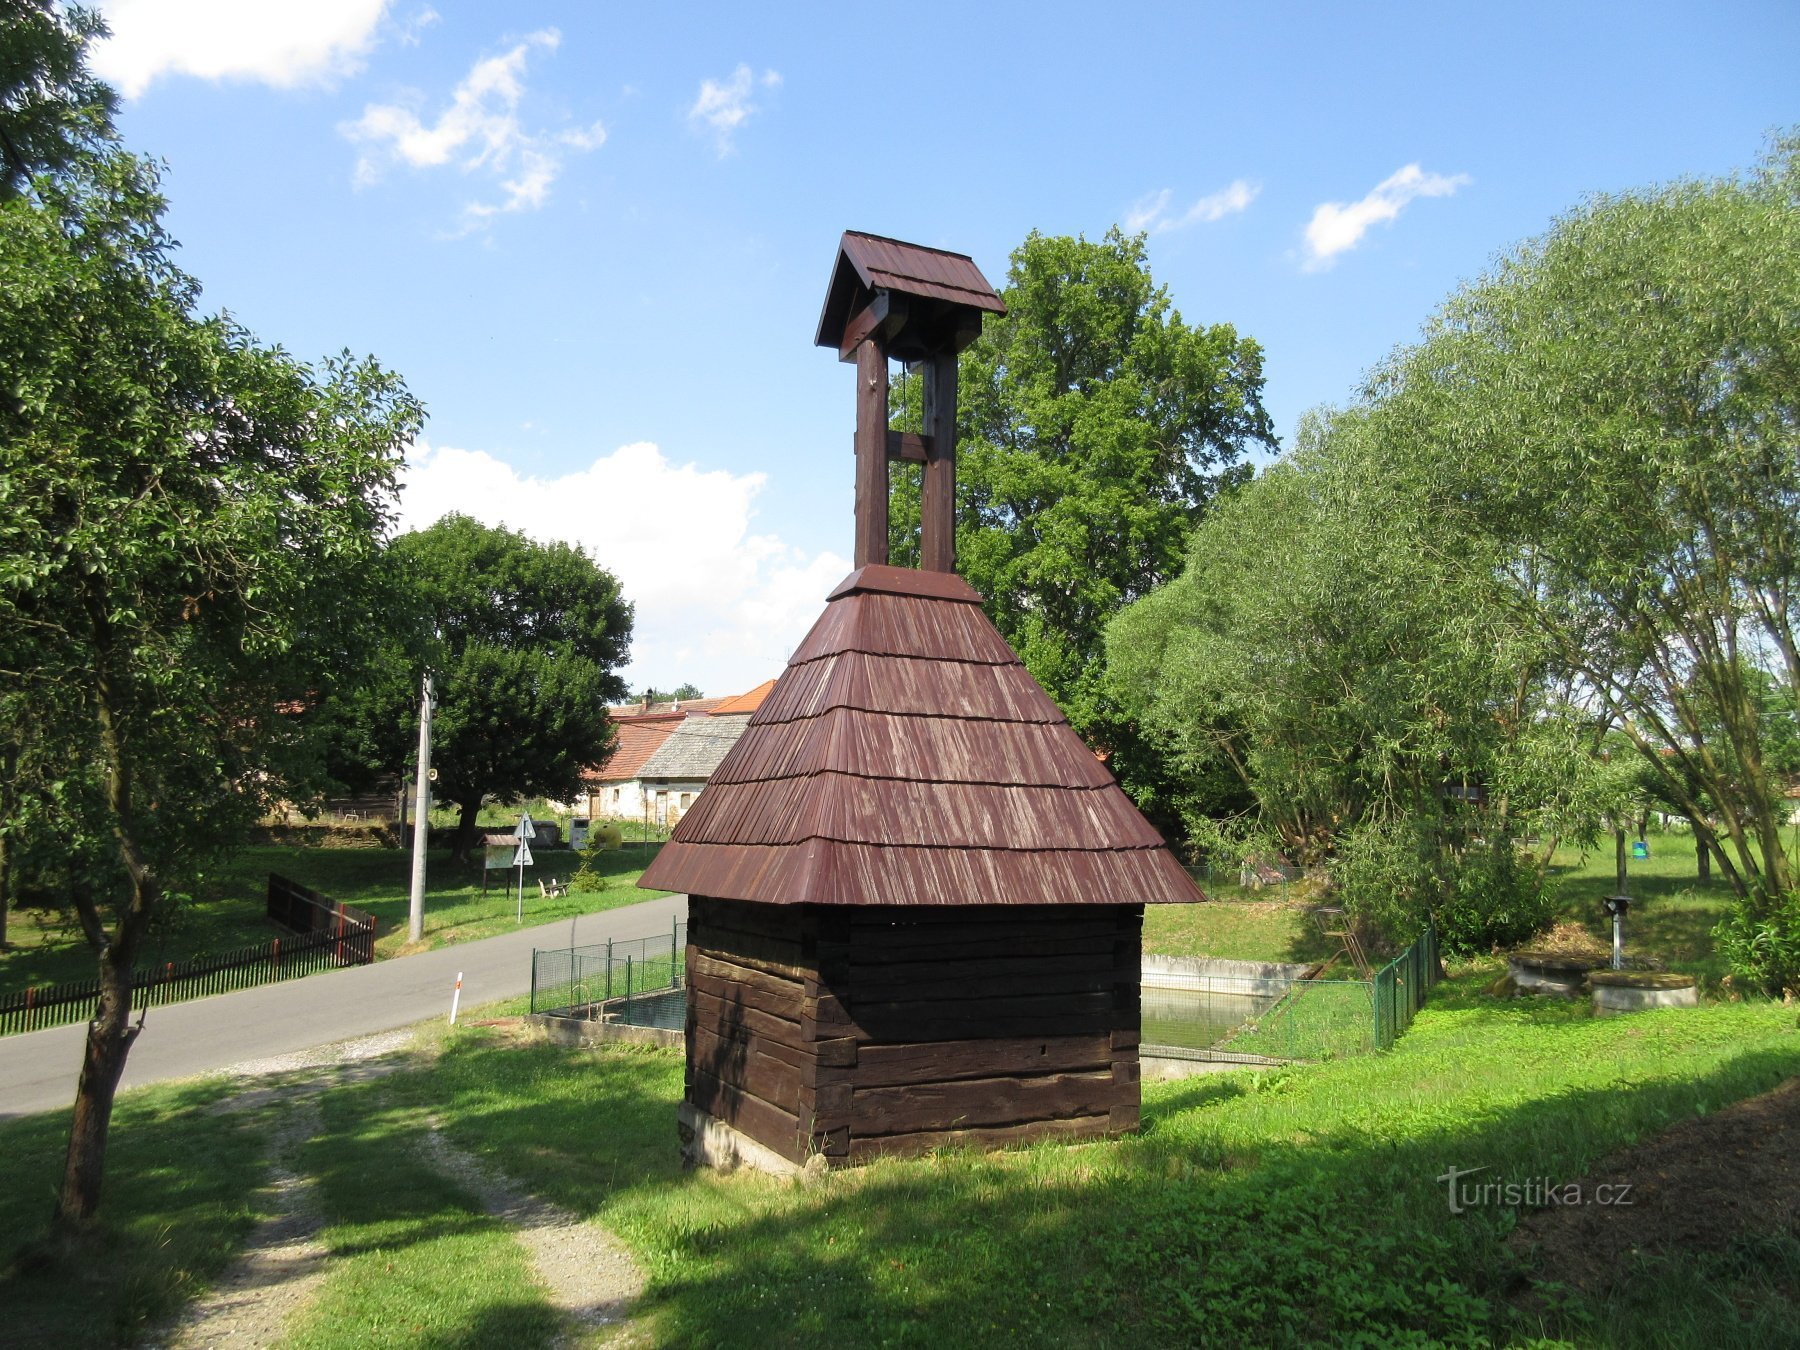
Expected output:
(1702, 853)
(1619, 855)
(109, 1040)
(9, 805)
(466, 831)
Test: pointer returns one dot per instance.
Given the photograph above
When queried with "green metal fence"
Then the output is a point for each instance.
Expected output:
(1276, 1019)
(1401, 985)
(640, 982)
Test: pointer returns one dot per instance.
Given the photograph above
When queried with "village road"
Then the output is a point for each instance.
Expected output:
(38, 1069)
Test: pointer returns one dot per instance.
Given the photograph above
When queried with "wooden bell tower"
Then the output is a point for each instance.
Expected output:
(921, 306)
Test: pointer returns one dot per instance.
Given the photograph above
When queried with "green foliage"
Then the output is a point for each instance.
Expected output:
(53, 112)
(523, 638)
(188, 517)
(686, 692)
(1542, 575)
(1605, 424)
(1095, 427)
(1764, 947)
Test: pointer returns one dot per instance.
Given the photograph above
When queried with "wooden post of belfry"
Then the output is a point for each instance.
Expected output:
(937, 497)
(871, 454)
(891, 301)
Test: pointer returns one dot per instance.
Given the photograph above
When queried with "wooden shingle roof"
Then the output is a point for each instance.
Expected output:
(906, 757)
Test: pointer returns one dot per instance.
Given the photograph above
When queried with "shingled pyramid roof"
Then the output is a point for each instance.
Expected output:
(906, 757)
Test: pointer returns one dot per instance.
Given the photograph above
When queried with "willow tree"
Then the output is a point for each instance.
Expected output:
(1609, 425)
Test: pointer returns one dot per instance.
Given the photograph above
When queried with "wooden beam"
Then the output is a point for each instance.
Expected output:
(871, 456)
(877, 320)
(905, 445)
(937, 498)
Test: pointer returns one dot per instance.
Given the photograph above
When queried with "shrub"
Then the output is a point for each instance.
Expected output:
(1762, 943)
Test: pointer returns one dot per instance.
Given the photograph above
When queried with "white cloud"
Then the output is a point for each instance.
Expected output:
(716, 603)
(279, 42)
(723, 108)
(1337, 227)
(480, 130)
(1152, 212)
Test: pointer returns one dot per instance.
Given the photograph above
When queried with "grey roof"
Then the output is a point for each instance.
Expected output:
(694, 748)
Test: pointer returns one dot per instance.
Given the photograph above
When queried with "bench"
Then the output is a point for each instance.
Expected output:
(550, 886)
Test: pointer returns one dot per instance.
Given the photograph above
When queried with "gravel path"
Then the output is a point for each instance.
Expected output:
(587, 1274)
(281, 1265)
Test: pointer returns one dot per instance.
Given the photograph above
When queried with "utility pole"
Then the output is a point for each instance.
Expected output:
(421, 817)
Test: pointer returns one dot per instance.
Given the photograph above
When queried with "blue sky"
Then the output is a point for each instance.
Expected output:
(594, 237)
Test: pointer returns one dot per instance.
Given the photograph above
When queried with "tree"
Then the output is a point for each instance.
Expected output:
(188, 517)
(1607, 422)
(687, 692)
(1096, 426)
(53, 112)
(1319, 684)
(1588, 468)
(528, 637)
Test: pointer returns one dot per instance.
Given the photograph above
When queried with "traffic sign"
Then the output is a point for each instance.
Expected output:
(522, 858)
(526, 829)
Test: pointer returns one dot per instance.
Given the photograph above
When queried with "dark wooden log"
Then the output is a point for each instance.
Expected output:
(733, 1063)
(763, 1121)
(876, 320)
(908, 446)
(726, 1019)
(871, 456)
(937, 494)
(948, 1061)
(981, 1102)
(758, 988)
(863, 1149)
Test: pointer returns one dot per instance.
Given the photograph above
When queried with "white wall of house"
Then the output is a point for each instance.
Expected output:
(662, 801)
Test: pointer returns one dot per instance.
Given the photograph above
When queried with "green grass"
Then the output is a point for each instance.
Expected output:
(179, 1200)
(418, 1261)
(228, 912)
(1672, 914)
(1269, 930)
(1286, 1207)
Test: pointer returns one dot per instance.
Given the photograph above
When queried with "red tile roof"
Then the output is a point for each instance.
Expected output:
(744, 703)
(637, 739)
(906, 756)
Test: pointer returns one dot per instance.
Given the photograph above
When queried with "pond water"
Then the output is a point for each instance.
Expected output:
(1197, 1019)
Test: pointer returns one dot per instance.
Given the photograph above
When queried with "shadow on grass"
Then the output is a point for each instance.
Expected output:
(1273, 1209)
(177, 1206)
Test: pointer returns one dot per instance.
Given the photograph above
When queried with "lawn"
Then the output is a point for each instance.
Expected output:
(1672, 914)
(1257, 930)
(228, 912)
(1281, 1207)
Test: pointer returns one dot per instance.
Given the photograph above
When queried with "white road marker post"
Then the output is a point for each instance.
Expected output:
(525, 833)
(455, 998)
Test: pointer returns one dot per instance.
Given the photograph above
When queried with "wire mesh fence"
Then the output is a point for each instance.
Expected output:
(1276, 1018)
(641, 982)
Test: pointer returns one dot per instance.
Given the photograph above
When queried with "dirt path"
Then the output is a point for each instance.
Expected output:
(1693, 1188)
(588, 1275)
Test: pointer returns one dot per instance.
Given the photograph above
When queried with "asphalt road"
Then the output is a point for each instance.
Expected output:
(38, 1070)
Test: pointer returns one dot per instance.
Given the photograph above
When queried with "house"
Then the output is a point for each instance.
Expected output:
(670, 780)
(616, 788)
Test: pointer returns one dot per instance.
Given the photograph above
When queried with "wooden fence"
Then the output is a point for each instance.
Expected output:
(300, 909)
(335, 935)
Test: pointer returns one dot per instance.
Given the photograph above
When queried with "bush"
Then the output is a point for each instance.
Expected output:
(1392, 878)
(1762, 943)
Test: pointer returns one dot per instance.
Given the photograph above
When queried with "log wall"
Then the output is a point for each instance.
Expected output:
(857, 1031)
